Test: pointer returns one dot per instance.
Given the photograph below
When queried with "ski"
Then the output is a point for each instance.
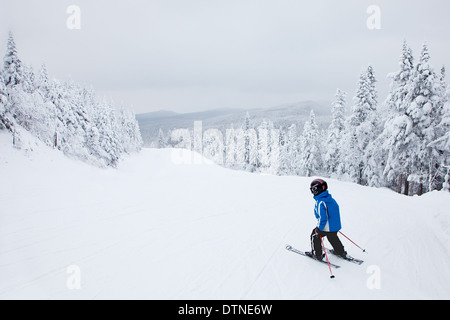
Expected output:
(308, 254)
(348, 258)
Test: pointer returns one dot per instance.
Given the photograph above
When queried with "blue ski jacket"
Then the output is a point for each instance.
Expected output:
(327, 213)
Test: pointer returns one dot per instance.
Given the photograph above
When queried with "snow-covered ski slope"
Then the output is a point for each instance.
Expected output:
(154, 229)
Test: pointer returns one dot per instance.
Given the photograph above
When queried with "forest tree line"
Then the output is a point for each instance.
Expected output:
(402, 142)
(63, 114)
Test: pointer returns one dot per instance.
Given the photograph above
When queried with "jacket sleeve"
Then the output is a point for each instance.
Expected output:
(323, 216)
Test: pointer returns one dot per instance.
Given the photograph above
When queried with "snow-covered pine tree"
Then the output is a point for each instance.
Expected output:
(231, 148)
(109, 141)
(132, 133)
(352, 162)
(442, 142)
(3, 95)
(268, 160)
(398, 123)
(293, 153)
(283, 160)
(334, 157)
(311, 162)
(424, 108)
(250, 145)
(263, 159)
(162, 143)
(273, 148)
(28, 83)
(71, 120)
(136, 137)
(361, 127)
(57, 96)
(18, 105)
(38, 107)
(5, 122)
(129, 133)
(12, 66)
(42, 82)
(82, 115)
(374, 158)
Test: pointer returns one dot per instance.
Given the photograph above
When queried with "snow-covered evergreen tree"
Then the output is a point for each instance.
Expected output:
(3, 95)
(28, 83)
(311, 162)
(398, 123)
(129, 132)
(293, 150)
(442, 141)
(5, 122)
(18, 105)
(263, 160)
(362, 127)
(374, 160)
(283, 161)
(334, 157)
(162, 143)
(274, 149)
(230, 147)
(109, 140)
(250, 145)
(12, 66)
(352, 164)
(42, 82)
(424, 109)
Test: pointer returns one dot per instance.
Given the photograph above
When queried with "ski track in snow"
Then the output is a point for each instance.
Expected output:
(156, 230)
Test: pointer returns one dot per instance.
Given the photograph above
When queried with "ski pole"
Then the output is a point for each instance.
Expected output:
(363, 250)
(328, 262)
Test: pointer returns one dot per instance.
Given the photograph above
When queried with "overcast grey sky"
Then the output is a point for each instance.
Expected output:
(191, 55)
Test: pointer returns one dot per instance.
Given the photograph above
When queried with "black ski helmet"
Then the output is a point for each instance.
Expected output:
(318, 186)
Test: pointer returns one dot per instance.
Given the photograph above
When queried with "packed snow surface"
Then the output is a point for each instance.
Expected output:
(158, 229)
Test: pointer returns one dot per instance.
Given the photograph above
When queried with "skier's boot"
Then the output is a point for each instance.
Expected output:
(312, 255)
(340, 254)
(318, 256)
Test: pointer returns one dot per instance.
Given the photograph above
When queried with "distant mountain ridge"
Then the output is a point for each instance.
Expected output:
(222, 119)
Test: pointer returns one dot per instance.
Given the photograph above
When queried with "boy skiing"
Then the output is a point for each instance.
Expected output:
(328, 216)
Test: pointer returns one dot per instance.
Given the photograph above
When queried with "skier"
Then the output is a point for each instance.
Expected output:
(328, 216)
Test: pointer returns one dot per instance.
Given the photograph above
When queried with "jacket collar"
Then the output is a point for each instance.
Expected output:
(322, 195)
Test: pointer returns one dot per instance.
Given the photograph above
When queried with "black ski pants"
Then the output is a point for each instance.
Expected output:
(316, 244)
